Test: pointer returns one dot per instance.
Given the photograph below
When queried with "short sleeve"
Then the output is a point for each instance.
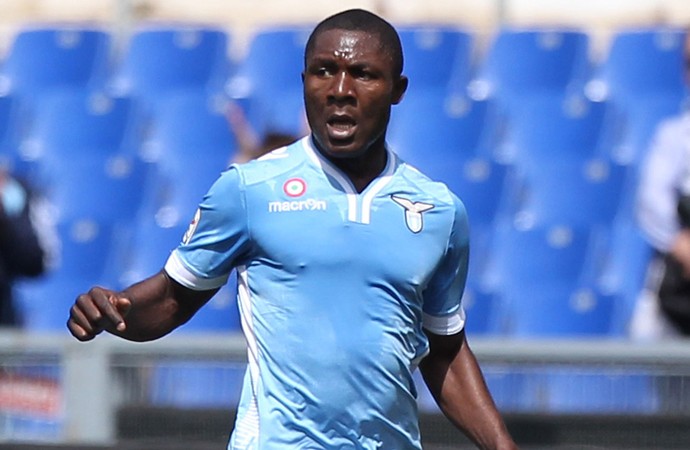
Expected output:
(443, 311)
(216, 239)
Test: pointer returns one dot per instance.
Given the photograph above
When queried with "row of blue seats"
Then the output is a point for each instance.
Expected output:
(158, 60)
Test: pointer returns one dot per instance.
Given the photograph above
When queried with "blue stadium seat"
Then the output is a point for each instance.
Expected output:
(102, 188)
(424, 46)
(10, 134)
(640, 63)
(581, 192)
(624, 270)
(148, 247)
(82, 123)
(191, 126)
(271, 70)
(161, 60)
(482, 310)
(561, 311)
(551, 126)
(522, 62)
(50, 58)
(638, 122)
(191, 143)
(539, 257)
(481, 184)
(432, 131)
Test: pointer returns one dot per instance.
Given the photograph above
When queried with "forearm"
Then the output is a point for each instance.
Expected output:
(159, 306)
(459, 388)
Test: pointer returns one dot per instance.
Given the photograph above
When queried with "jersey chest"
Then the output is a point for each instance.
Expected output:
(394, 235)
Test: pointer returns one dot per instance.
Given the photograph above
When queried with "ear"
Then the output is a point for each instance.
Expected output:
(399, 89)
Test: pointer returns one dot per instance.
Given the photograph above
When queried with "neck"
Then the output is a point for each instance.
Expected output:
(361, 174)
(361, 169)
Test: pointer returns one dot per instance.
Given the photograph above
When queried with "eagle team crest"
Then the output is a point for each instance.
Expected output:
(413, 212)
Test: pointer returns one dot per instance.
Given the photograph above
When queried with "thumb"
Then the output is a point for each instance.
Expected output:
(123, 305)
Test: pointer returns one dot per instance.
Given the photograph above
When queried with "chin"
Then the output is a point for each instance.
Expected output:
(343, 151)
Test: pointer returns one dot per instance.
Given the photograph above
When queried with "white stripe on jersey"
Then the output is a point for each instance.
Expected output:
(247, 429)
(353, 214)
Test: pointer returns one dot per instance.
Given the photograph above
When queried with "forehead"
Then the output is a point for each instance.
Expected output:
(348, 44)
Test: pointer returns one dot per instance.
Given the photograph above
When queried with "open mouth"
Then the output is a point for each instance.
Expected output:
(341, 127)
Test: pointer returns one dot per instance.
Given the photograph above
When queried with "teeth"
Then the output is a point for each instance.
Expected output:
(341, 129)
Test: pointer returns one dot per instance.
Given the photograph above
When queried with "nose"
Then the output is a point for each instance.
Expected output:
(342, 86)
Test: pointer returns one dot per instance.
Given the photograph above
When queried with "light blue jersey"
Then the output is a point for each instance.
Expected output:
(334, 287)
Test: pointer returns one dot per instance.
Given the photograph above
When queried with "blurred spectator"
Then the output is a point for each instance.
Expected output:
(22, 251)
(663, 212)
(250, 145)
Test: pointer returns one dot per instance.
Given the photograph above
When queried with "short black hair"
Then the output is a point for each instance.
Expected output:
(362, 20)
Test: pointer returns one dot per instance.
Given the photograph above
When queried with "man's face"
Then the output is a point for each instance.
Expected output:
(349, 87)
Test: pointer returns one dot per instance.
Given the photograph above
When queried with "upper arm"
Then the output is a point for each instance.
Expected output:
(443, 312)
(217, 238)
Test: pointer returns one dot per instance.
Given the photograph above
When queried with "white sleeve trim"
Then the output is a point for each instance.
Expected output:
(180, 273)
(445, 325)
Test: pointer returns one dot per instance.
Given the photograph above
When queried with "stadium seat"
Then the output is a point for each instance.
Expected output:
(560, 311)
(624, 270)
(190, 144)
(581, 192)
(51, 58)
(638, 121)
(159, 61)
(551, 126)
(640, 63)
(538, 257)
(102, 188)
(481, 308)
(522, 62)
(10, 135)
(81, 123)
(481, 184)
(271, 70)
(424, 46)
(190, 126)
(148, 247)
(433, 130)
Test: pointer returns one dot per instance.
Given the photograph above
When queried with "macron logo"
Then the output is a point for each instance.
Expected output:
(297, 205)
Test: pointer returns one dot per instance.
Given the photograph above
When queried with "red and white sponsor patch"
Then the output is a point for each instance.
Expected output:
(295, 187)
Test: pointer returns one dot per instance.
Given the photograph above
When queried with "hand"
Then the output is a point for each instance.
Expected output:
(99, 309)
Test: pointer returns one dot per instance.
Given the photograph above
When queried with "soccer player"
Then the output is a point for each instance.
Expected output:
(351, 266)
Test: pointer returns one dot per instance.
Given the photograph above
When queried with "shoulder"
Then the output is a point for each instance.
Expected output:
(437, 191)
(437, 194)
(271, 165)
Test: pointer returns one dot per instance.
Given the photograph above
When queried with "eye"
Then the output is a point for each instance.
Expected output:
(362, 73)
(322, 70)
